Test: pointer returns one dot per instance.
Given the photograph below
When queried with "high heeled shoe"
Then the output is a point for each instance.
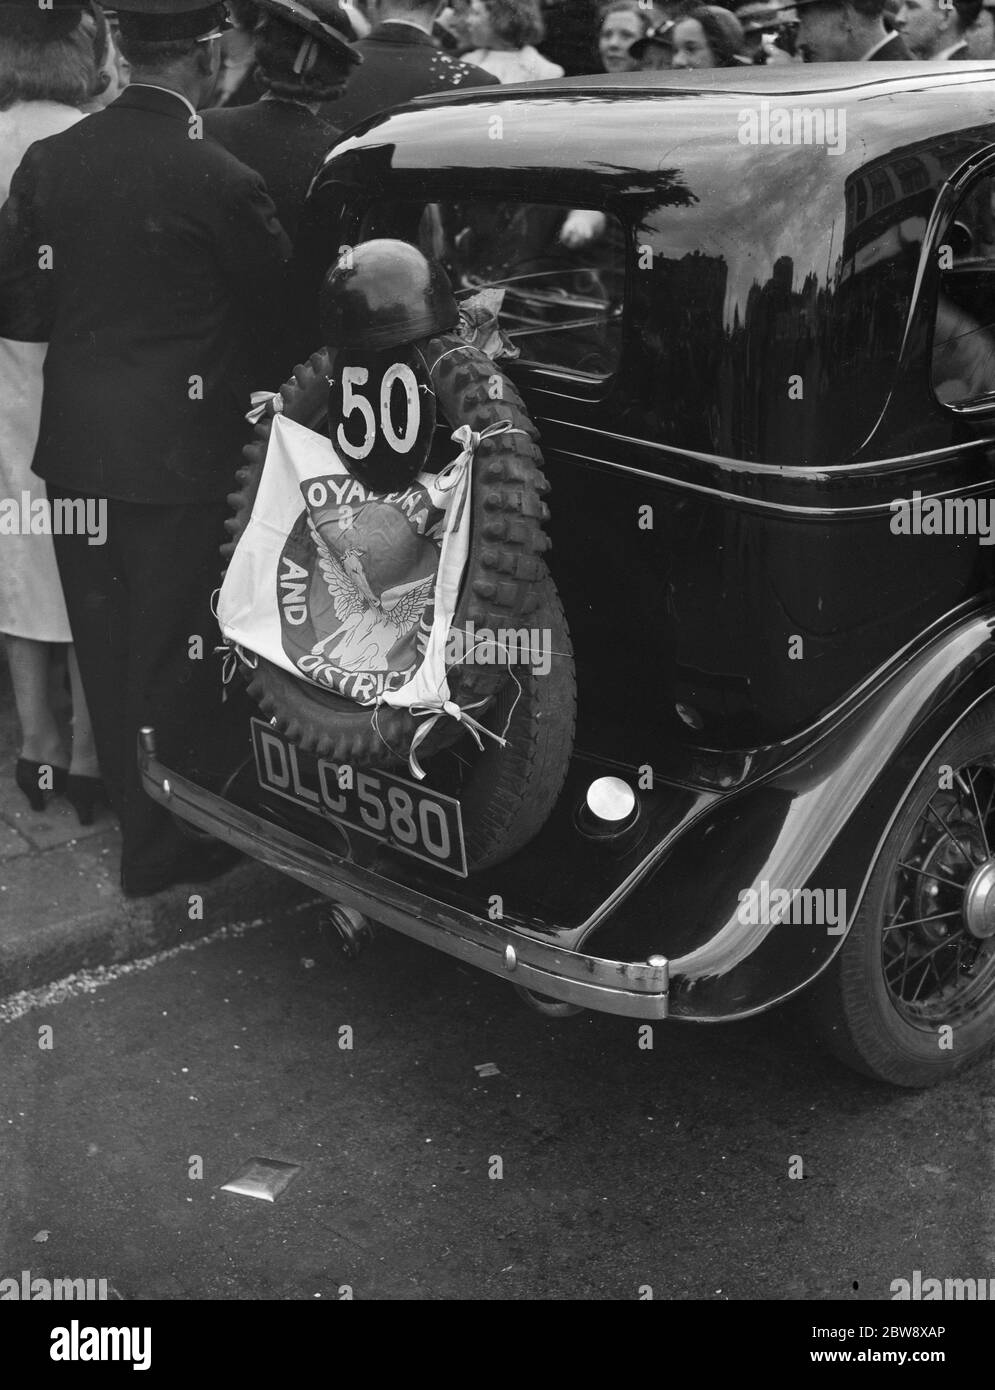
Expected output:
(28, 776)
(84, 794)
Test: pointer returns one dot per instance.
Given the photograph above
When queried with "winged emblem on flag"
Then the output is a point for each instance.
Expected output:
(373, 631)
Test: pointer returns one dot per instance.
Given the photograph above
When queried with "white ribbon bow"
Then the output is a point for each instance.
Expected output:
(431, 714)
(260, 400)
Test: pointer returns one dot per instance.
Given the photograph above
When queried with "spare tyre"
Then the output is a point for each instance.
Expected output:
(508, 791)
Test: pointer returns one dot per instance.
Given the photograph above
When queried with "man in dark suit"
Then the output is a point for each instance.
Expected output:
(939, 31)
(145, 256)
(846, 31)
(401, 61)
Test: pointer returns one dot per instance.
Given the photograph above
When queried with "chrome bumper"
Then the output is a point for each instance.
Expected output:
(632, 989)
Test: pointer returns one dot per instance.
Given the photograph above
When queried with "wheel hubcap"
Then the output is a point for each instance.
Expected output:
(979, 902)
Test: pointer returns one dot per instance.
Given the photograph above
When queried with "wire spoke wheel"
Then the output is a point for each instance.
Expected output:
(909, 997)
(938, 946)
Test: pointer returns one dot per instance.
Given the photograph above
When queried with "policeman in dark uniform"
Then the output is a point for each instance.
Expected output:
(149, 259)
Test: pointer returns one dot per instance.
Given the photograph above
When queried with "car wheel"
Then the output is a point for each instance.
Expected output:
(910, 996)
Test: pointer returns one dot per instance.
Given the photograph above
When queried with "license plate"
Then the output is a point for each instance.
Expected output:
(413, 819)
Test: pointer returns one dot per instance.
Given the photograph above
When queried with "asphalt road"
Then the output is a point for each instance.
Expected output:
(621, 1168)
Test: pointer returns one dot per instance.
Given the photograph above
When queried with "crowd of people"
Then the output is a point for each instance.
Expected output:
(154, 162)
(516, 39)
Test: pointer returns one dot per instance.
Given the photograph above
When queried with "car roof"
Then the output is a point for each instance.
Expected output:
(768, 235)
(645, 120)
(786, 80)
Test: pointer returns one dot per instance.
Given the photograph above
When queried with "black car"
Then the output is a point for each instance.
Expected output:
(748, 318)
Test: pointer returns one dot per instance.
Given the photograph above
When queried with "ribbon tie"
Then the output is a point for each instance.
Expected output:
(229, 665)
(470, 439)
(431, 714)
(261, 403)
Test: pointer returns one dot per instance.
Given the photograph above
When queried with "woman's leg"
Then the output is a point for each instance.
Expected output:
(41, 740)
(84, 758)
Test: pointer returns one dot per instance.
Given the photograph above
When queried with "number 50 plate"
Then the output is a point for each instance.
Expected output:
(413, 819)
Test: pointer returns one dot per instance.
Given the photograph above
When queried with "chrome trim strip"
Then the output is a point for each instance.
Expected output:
(627, 988)
(762, 504)
(779, 470)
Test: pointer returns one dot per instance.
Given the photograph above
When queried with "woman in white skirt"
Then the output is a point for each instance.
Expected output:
(47, 71)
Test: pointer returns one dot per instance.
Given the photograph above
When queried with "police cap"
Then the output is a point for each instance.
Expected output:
(169, 21)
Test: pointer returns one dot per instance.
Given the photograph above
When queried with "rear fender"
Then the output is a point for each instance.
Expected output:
(757, 896)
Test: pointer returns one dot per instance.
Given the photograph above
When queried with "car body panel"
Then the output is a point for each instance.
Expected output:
(768, 660)
(771, 515)
(677, 894)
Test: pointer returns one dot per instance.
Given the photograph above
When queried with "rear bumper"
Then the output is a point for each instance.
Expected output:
(631, 989)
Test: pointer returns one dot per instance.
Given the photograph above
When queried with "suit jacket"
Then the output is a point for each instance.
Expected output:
(283, 141)
(399, 62)
(894, 51)
(165, 265)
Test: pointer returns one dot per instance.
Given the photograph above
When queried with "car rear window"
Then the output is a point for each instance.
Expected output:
(558, 272)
